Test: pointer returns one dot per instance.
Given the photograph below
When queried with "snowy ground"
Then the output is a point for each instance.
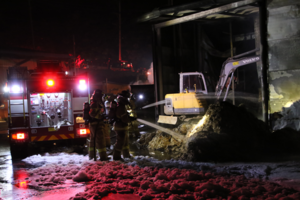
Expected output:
(167, 179)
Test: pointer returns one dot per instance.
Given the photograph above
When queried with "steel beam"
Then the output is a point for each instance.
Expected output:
(204, 13)
(157, 13)
(233, 15)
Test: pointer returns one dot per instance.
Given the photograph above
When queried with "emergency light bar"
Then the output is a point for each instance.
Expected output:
(50, 82)
(15, 88)
(5, 89)
(82, 84)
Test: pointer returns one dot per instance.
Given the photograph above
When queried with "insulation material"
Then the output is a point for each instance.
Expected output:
(149, 178)
(228, 133)
(290, 117)
(166, 183)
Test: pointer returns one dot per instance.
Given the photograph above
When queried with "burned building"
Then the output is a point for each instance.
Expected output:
(202, 35)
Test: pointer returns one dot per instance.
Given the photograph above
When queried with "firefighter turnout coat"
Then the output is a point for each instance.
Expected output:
(97, 128)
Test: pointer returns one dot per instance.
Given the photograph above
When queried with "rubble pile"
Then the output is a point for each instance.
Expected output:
(285, 141)
(145, 139)
(287, 130)
(174, 183)
(226, 133)
(290, 117)
(161, 141)
(165, 142)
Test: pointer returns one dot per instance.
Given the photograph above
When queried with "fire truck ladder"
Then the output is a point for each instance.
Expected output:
(17, 104)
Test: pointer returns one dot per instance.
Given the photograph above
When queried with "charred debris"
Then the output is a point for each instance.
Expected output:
(225, 133)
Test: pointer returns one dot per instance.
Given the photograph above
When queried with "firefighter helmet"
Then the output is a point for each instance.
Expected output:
(105, 97)
(125, 93)
(97, 95)
(123, 97)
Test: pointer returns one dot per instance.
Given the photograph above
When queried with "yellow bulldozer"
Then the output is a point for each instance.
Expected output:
(193, 95)
(192, 84)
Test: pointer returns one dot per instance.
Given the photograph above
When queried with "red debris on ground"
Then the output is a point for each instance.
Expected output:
(176, 184)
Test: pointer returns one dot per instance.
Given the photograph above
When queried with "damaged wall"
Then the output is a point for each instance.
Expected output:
(284, 55)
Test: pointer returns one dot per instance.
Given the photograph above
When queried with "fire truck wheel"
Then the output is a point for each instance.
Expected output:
(19, 150)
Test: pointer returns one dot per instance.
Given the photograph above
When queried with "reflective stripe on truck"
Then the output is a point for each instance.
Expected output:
(52, 137)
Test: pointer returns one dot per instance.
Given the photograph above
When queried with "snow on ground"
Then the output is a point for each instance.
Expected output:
(57, 158)
(166, 179)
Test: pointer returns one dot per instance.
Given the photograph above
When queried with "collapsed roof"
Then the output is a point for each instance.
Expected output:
(202, 11)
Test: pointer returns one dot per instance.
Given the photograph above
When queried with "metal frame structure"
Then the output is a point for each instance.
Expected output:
(207, 12)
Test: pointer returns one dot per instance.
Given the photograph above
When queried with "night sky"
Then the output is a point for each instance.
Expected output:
(93, 25)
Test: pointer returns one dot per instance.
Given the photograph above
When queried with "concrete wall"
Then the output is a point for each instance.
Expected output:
(283, 25)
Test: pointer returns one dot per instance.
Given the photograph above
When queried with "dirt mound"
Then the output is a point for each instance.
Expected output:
(162, 141)
(285, 140)
(224, 117)
(225, 133)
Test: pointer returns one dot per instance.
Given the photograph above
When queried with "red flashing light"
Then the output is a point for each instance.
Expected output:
(50, 82)
(148, 73)
(82, 82)
(18, 136)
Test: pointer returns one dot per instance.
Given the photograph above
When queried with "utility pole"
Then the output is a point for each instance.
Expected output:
(120, 58)
(74, 55)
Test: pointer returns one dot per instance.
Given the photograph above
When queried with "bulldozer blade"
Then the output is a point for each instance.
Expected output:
(167, 119)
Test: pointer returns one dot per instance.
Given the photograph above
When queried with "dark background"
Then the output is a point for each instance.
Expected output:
(52, 26)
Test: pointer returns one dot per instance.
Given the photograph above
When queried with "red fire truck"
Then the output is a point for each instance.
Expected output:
(45, 106)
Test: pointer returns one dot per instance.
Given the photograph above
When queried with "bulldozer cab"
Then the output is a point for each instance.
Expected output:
(192, 82)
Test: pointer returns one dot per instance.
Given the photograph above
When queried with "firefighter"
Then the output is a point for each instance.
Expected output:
(107, 126)
(134, 124)
(97, 126)
(121, 127)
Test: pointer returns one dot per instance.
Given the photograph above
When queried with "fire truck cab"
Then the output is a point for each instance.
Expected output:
(45, 106)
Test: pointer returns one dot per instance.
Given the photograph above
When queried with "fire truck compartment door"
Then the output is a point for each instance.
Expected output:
(17, 106)
(78, 103)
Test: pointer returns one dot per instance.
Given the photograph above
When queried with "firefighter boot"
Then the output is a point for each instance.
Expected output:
(103, 156)
(91, 153)
(117, 155)
(91, 157)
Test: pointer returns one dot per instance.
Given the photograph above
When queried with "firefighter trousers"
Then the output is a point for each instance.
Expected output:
(97, 129)
(134, 128)
(107, 128)
(122, 145)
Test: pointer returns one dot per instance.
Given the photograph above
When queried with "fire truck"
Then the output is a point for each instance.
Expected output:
(45, 106)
